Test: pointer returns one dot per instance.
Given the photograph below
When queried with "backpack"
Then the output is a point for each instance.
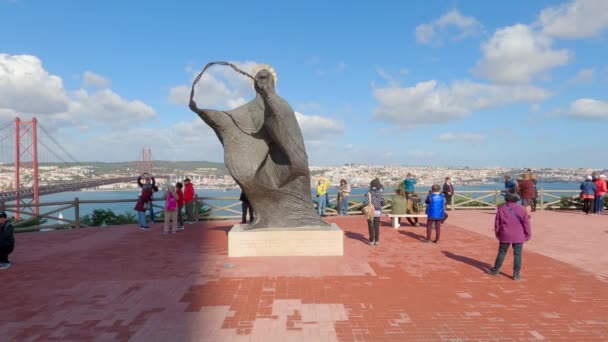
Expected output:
(171, 203)
(417, 206)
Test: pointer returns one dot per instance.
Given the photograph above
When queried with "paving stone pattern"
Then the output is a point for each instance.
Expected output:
(121, 283)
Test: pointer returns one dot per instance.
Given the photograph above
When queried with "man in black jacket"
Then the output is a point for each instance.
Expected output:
(7, 240)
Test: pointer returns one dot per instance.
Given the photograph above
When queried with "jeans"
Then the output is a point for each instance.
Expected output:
(343, 207)
(152, 211)
(321, 204)
(429, 228)
(588, 205)
(246, 206)
(4, 252)
(373, 226)
(141, 216)
(502, 251)
(180, 217)
(599, 204)
(189, 211)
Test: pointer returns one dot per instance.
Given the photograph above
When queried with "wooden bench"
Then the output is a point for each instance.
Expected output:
(395, 218)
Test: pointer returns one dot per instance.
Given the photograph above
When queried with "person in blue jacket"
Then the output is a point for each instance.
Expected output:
(409, 184)
(588, 188)
(435, 212)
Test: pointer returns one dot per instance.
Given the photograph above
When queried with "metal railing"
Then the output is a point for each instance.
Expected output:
(223, 208)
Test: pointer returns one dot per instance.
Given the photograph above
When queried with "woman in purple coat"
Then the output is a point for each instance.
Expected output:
(512, 227)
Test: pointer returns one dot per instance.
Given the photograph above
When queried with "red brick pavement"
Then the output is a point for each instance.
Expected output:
(120, 283)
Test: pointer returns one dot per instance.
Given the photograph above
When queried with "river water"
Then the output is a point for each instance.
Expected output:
(356, 195)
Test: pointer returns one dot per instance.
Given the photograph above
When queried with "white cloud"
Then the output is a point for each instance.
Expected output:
(516, 53)
(25, 87)
(584, 76)
(535, 108)
(316, 128)
(108, 108)
(191, 140)
(577, 19)
(341, 66)
(91, 79)
(460, 137)
(589, 109)
(430, 102)
(466, 26)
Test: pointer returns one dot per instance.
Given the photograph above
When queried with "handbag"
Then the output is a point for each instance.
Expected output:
(369, 209)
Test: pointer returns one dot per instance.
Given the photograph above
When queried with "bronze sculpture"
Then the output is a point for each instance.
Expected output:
(265, 154)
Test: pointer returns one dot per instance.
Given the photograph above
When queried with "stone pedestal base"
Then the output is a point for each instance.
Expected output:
(307, 241)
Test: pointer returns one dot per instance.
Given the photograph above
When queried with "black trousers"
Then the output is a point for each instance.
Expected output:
(589, 205)
(503, 247)
(4, 252)
(246, 206)
(374, 229)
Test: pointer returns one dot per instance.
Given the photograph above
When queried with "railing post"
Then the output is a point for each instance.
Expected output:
(452, 202)
(77, 212)
(542, 200)
(496, 194)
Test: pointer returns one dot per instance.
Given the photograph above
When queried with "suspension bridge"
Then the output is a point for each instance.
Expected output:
(24, 146)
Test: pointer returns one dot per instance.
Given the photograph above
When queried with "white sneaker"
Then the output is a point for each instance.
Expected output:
(5, 265)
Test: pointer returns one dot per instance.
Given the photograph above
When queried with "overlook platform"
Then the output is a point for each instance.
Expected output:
(121, 283)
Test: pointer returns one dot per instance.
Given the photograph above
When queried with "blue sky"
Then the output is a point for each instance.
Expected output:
(411, 83)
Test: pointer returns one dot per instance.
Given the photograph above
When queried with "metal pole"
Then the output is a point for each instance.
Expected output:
(17, 166)
(35, 164)
(542, 200)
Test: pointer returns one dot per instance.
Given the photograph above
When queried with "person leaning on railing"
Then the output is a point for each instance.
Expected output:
(189, 200)
(323, 185)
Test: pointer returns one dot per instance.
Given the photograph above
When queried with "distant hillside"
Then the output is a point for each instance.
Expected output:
(159, 166)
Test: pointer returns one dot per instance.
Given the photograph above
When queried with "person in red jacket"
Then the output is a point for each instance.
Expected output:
(189, 199)
(600, 192)
(180, 205)
(527, 192)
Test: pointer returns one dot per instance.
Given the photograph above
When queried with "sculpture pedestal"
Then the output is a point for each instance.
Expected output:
(308, 241)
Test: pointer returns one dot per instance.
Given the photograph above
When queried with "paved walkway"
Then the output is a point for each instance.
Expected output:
(120, 283)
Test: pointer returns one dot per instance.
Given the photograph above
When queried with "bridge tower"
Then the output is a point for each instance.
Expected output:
(26, 160)
(146, 160)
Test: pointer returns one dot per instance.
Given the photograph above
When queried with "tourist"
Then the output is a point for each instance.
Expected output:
(343, 197)
(409, 184)
(588, 189)
(377, 200)
(7, 240)
(448, 191)
(170, 210)
(510, 184)
(534, 181)
(148, 182)
(322, 187)
(180, 205)
(512, 227)
(435, 213)
(527, 192)
(414, 206)
(144, 200)
(399, 204)
(246, 206)
(600, 192)
(154, 189)
(189, 200)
